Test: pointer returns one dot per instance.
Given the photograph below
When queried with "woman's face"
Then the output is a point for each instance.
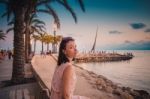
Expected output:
(70, 50)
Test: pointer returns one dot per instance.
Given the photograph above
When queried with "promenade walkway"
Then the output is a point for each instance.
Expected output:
(22, 91)
(5, 69)
(44, 67)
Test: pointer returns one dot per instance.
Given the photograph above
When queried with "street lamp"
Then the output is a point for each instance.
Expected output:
(54, 44)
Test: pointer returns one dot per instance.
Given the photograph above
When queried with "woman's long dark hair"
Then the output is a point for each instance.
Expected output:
(62, 57)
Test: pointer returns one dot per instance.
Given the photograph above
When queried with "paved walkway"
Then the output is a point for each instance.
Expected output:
(5, 69)
(44, 67)
(23, 91)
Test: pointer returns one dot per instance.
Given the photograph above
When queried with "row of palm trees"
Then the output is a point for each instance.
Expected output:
(46, 39)
(35, 25)
(21, 13)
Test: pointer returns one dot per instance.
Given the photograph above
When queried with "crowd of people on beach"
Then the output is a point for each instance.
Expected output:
(6, 53)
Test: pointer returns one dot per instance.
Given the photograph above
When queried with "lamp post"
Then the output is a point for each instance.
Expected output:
(54, 44)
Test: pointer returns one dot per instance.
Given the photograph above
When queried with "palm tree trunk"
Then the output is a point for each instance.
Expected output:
(47, 47)
(27, 33)
(26, 45)
(19, 56)
(42, 46)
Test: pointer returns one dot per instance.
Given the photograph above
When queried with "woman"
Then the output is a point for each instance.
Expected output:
(64, 78)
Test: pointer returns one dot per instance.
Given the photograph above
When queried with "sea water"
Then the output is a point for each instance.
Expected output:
(134, 73)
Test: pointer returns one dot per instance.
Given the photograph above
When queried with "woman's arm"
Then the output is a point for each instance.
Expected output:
(67, 82)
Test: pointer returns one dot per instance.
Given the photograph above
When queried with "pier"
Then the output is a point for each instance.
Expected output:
(103, 57)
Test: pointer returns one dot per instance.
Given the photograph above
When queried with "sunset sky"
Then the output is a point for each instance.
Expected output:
(122, 24)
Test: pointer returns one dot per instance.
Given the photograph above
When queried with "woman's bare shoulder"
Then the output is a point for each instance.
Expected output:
(69, 69)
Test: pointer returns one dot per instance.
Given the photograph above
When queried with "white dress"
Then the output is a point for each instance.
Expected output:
(56, 87)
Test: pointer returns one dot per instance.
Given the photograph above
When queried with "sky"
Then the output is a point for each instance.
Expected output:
(122, 25)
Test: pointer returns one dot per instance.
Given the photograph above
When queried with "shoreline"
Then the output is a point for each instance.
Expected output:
(106, 88)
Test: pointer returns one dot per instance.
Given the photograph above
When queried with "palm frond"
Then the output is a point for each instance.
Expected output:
(2, 35)
(41, 2)
(35, 30)
(67, 6)
(32, 17)
(9, 10)
(42, 11)
(40, 23)
(38, 29)
(4, 2)
(37, 21)
(10, 29)
(40, 26)
(54, 14)
(11, 23)
(4, 14)
(81, 5)
(51, 12)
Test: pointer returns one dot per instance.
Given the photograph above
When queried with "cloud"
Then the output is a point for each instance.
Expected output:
(148, 38)
(115, 32)
(138, 45)
(137, 25)
(128, 45)
(147, 30)
(137, 42)
(140, 42)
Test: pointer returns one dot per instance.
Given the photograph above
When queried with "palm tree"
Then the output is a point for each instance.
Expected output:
(19, 9)
(57, 40)
(22, 10)
(42, 39)
(34, 25)
(35, 37)
(48, 40)
(2, 35)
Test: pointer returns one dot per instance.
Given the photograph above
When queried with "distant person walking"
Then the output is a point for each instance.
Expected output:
(43, 54)
(9, 54)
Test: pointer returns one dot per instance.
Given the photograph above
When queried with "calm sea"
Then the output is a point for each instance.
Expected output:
(134, 73)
